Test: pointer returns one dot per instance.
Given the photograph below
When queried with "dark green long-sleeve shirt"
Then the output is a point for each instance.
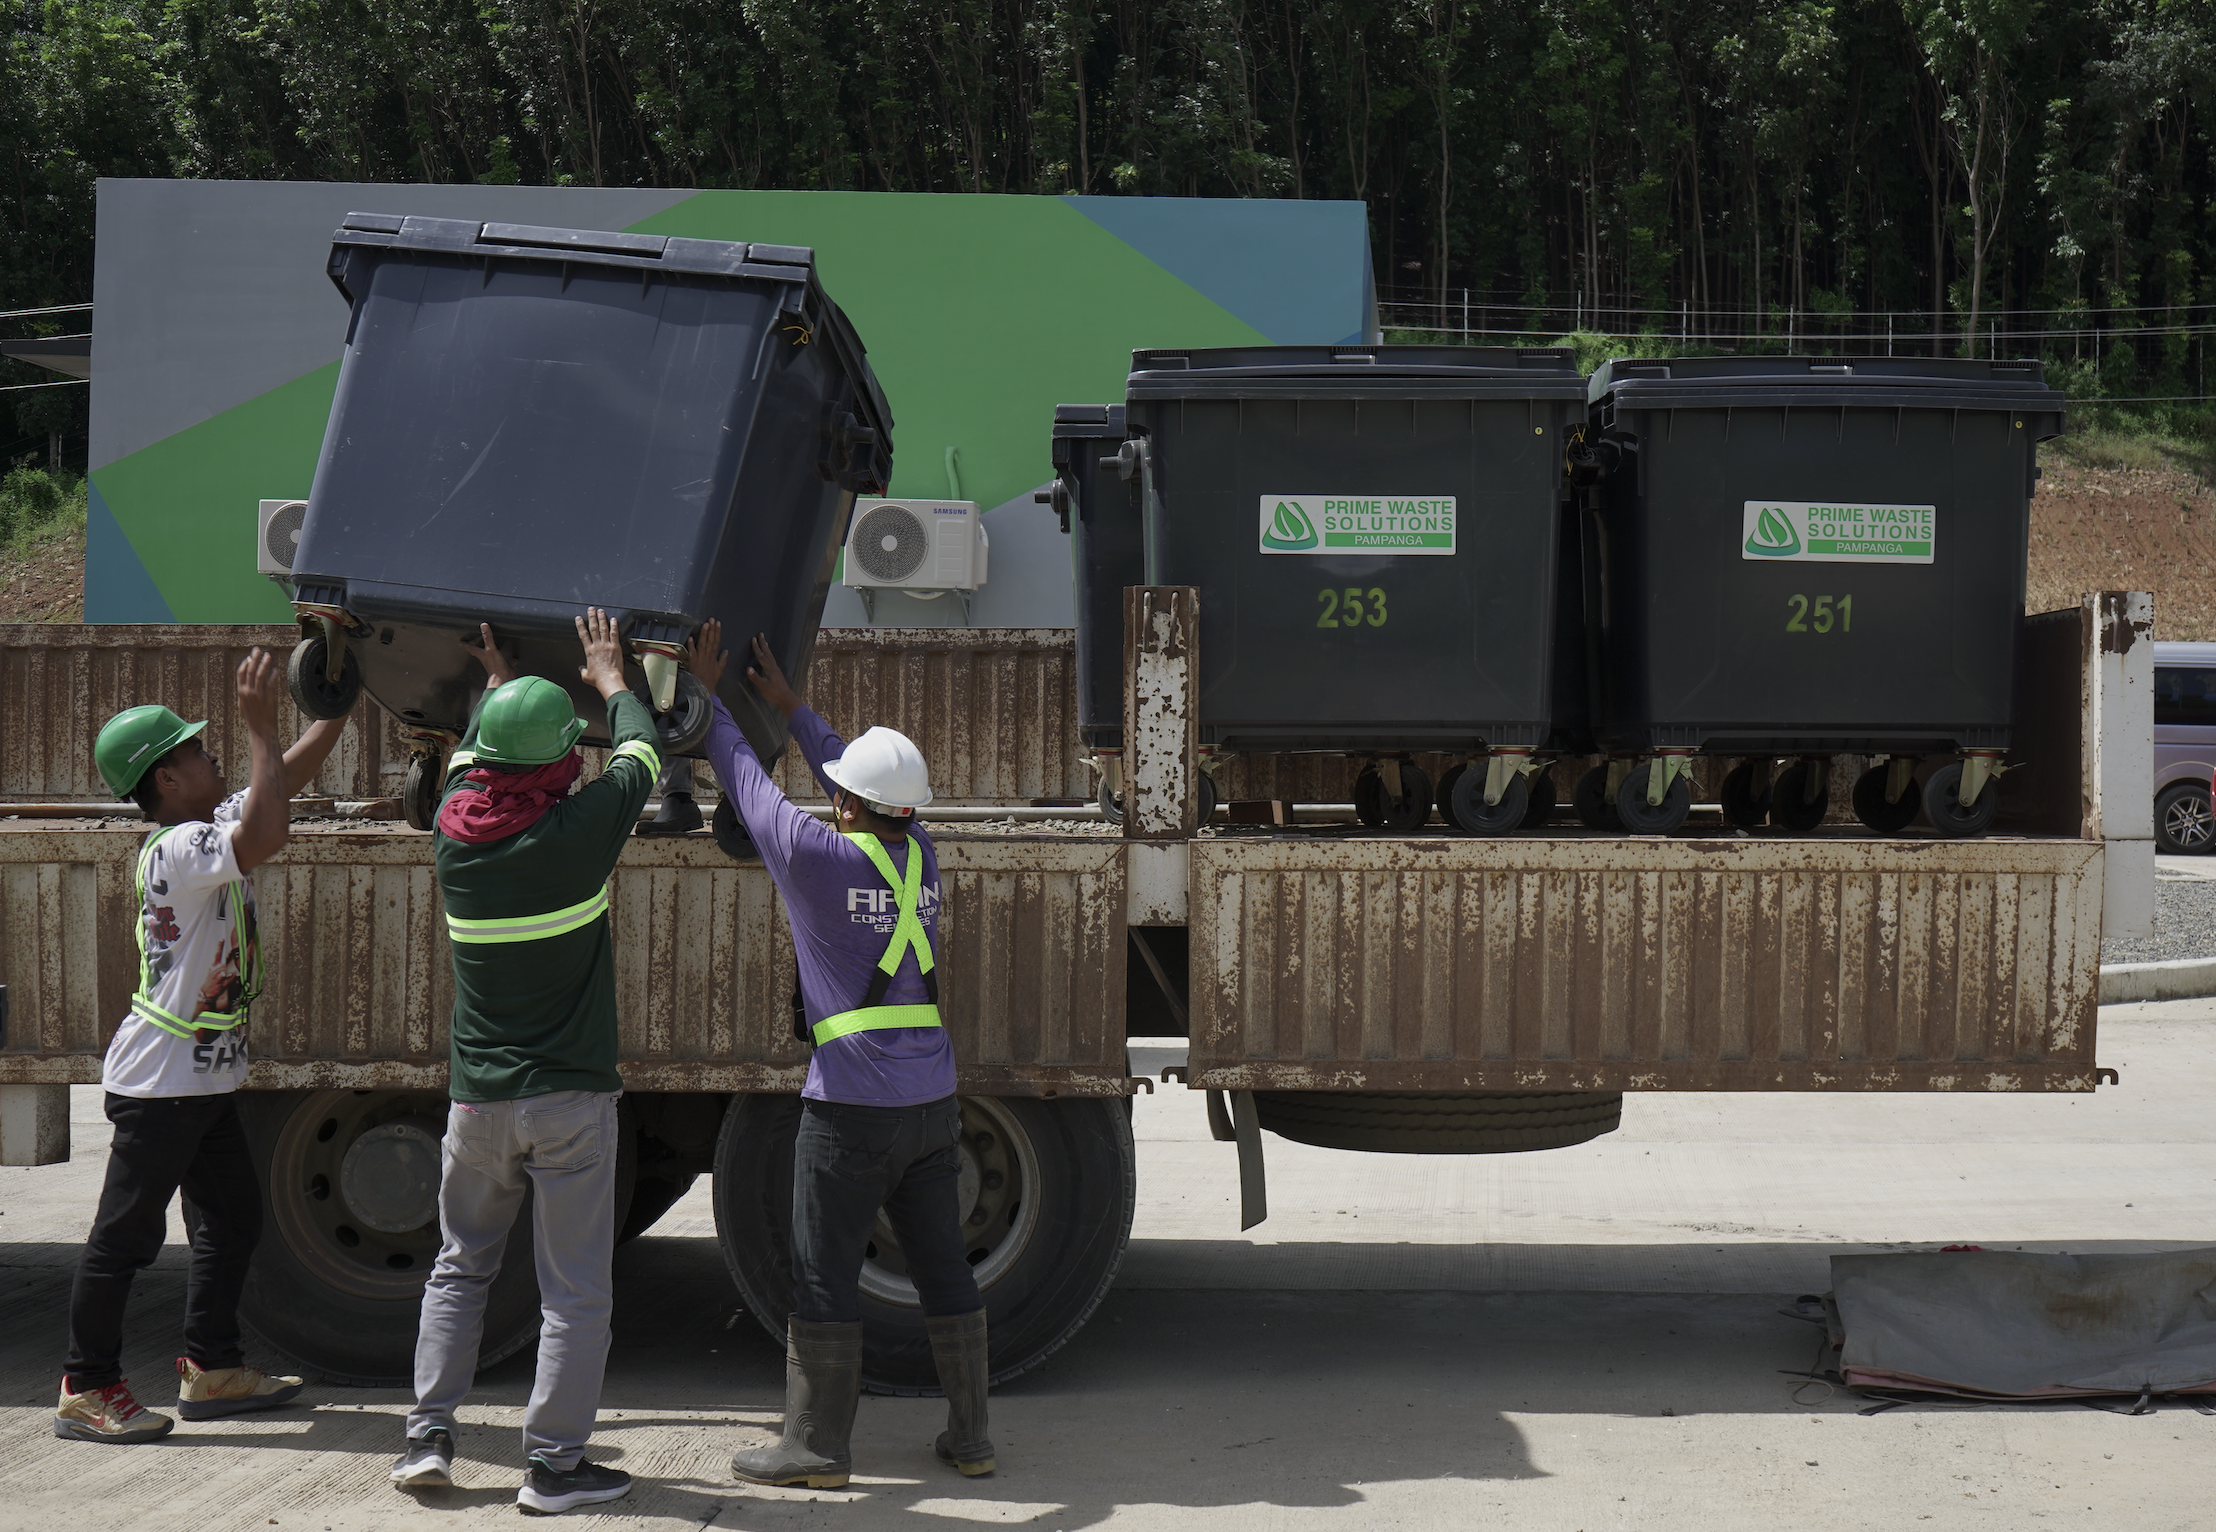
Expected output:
(539, 1015)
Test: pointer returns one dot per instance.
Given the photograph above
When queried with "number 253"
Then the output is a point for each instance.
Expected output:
(1347, 608)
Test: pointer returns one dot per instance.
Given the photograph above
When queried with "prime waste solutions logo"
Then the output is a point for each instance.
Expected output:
(1815, 532)
(1357, 524)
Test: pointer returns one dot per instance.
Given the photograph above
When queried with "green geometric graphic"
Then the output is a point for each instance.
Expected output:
(980, 314)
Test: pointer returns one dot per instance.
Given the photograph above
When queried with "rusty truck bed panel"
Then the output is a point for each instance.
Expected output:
(360, 986)
(1715, 964)
(994, 709)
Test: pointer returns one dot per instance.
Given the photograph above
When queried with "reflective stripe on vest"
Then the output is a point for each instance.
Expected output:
(529, 928)
(908, 932)
(142, 1003)
(641, 749)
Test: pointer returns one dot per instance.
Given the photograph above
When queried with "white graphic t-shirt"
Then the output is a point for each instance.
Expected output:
(201, 946)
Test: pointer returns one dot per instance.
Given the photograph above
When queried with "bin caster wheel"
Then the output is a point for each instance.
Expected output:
(1871, 808)
(1540, 799)
(1111, 804)
(1467, 807)
(1948, 814)
(684, 728)
(1595, 809)
(419, 792)
(1379, 811)
(1443, 793)
(1643, 818)
(1790, 806)
(730, 834)
(313, 692)
(1742, 808)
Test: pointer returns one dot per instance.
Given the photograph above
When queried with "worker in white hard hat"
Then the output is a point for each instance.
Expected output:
(880, 1128)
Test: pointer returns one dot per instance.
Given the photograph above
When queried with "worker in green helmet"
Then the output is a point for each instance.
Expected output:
(178, 1057)
(524, 858)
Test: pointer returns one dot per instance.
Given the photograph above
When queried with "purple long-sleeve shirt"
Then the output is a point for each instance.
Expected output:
(842, 917)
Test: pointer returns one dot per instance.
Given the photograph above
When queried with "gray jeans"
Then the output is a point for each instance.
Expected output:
(563, 1145)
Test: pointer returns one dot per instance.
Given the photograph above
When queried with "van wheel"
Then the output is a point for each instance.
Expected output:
(1047, 1192)
(350, 1197)
(2183, 822)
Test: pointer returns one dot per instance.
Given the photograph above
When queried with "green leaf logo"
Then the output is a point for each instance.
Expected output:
(1290, 529)
(1774, 537)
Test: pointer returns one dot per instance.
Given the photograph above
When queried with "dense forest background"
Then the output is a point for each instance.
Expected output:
(1933, 176)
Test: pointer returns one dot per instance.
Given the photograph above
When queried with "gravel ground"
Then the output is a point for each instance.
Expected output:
(2184, 921)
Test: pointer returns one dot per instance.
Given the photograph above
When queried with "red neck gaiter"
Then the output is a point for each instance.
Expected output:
(507, 802)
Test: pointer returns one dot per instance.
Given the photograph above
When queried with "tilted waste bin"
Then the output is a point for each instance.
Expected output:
(530, 422)
(1374, 532)
(1808, 556)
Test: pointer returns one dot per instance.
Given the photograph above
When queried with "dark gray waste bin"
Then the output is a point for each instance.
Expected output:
(1374, 532)
(1804, 556)
(530, 422)
(1100, 511)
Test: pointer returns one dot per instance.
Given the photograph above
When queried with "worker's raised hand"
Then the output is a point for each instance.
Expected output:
(769, 680)
(704, 655)
(498, 672)
(603, 667)
(261, 686)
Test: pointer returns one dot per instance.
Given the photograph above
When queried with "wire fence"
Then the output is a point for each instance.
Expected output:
(2125, 345)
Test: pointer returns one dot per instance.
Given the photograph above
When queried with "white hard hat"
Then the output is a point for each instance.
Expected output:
(885, 767)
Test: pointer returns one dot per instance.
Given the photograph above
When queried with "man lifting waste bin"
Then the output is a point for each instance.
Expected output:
(880, 1128)
(523, 865)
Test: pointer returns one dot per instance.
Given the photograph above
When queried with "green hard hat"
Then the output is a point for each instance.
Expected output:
(134, 740)
(529, 722)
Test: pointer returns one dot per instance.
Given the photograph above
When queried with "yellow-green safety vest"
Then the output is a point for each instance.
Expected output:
(142, 1003)
(536, 928)
(872, 1014)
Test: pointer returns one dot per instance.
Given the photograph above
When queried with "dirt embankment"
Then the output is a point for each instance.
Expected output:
(2121, 527)
(42, 578)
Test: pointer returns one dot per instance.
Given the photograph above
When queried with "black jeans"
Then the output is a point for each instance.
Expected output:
(164, 1144)
(849, 1162)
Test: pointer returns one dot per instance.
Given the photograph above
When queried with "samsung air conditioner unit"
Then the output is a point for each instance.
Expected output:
(923, 547)
(278, 536)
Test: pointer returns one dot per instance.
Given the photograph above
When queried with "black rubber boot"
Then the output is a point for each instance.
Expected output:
(958, 1346)
(823, 1382)
(678, 814)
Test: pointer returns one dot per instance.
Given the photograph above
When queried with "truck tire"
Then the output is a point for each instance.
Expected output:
(1049, 1233)
(1472, 1122)
(341, 1308)
(651, 1197)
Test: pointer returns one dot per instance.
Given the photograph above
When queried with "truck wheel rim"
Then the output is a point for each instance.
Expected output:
(998, 1198)
(379, 1148)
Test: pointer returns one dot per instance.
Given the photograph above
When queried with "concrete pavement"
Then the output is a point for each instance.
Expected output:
(1581, 1339)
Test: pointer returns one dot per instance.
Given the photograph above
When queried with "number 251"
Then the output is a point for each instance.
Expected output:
(1819, 618)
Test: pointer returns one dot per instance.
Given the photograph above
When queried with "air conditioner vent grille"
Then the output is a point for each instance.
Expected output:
(891, 543)
(281, 538)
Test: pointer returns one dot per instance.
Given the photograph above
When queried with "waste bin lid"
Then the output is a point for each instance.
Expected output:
(660, 254)
(1324, 372)
(1927, 383)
